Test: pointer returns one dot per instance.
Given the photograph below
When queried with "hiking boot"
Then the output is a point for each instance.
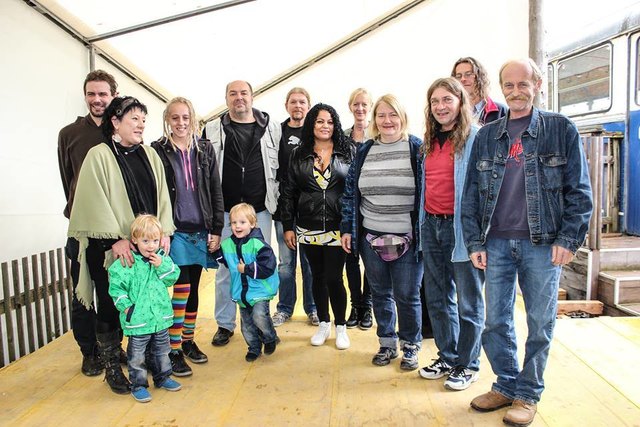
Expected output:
(321, 335)
(409, 360)
(191, 350)
(122, 355)
(142, 395)
(352, 321)
(438, 369)
(91, 364)
(384, 356)
(520, 414)
(461, 378)
(490, 401)
(313, 318)
(366, 321)
(342, 339)
(178, 364)
(221, 337)
(170, 384)
(279, 318)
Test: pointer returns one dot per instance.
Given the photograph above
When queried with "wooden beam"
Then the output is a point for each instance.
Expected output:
(592, 307)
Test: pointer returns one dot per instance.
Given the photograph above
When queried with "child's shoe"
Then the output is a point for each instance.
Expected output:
(342, 339)
(142, 395)
(321, 335)
(270, 347)
(251, 357)
(170, 385)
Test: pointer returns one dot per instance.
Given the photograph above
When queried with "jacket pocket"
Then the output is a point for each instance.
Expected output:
(552, 166)
(485, 171)
(130, 313)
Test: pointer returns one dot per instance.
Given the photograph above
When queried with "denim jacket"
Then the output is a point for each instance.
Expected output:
(557, 186)
(351, 217)
(461, 162)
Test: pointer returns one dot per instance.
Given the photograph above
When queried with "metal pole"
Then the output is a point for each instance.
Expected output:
(536, 48)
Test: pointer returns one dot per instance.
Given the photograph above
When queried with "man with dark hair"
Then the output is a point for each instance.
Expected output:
(74, 141)
(297, 105)
(525, 211)
(246, 142)
(475, 81)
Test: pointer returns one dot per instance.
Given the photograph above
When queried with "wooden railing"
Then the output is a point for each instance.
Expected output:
(35, 304)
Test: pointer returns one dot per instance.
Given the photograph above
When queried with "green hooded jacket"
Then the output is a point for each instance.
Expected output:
(143, 287)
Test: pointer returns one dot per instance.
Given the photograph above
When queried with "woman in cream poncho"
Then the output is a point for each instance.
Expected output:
(119, 179)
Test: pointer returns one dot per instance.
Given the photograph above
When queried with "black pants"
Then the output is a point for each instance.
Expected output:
(327, 264)
(83, 320)
(360, 292)
(107, 315)
(191, 274)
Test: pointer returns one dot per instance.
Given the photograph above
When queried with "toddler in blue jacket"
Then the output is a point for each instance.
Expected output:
(254, 279)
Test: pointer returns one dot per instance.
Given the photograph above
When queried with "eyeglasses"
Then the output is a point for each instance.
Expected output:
(466, 75)
(447, 100)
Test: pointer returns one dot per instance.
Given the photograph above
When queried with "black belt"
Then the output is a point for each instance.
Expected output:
(440, 216)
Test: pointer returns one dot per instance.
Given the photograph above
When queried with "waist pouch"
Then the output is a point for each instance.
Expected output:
(389, 247)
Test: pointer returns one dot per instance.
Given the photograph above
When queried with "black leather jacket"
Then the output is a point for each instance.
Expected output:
(208, 181)
(303, 202)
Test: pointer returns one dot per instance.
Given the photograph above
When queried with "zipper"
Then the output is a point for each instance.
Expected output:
(242, 183)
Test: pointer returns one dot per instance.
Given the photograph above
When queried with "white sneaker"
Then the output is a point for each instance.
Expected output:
(342, 339)
(321, 335)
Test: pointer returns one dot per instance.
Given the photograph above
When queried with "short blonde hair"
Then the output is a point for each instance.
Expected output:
(247, 210)
(146, 225)
(359, 91)
(301, 91)
(392, 102)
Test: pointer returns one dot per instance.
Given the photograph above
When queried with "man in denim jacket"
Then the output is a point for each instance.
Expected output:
(525, 211)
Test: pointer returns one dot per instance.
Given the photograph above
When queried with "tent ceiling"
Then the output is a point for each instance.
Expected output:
(254, 40)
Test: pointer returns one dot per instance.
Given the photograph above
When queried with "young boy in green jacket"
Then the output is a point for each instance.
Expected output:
(140, 295)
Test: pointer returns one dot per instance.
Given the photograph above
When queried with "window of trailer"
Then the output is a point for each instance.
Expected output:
(584, 82)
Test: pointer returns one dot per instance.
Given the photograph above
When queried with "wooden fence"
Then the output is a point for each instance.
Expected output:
(35, 304)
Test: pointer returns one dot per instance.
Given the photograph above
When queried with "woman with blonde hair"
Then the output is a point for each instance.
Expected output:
(193, 179)
(360, 103)
(380, 222)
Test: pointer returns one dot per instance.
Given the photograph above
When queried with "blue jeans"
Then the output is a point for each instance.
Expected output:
(538, 279)
(257, 327)
(287, 294)
(159, 348)
(225, 307)
(453, 292)
(395, 290)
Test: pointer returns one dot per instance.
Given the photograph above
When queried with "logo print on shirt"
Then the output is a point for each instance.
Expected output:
(515, 151)
(293, 140)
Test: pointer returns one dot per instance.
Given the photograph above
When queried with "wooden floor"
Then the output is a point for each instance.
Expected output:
(592, 379)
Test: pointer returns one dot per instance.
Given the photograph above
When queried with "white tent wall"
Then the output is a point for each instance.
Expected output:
(44, 67)
(42, 72)
(407, 54)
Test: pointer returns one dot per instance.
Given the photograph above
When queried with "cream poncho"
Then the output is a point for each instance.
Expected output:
(101, 208)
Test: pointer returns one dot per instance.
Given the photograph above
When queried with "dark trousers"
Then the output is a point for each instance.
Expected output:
(359, 289)
(83, 320)
(327, 264)
(107, 314)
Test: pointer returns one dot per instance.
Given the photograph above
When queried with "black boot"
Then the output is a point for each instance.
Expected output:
(109, 343)
(352, 321)
(365, 321)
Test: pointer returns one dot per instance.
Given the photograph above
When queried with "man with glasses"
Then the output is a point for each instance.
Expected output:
(475, 81)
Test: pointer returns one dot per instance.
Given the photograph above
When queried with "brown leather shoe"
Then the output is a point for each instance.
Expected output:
(490, 401)
(520, 414)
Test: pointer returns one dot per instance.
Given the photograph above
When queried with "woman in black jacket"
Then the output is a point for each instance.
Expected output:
(193, 178)
(312, 199)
